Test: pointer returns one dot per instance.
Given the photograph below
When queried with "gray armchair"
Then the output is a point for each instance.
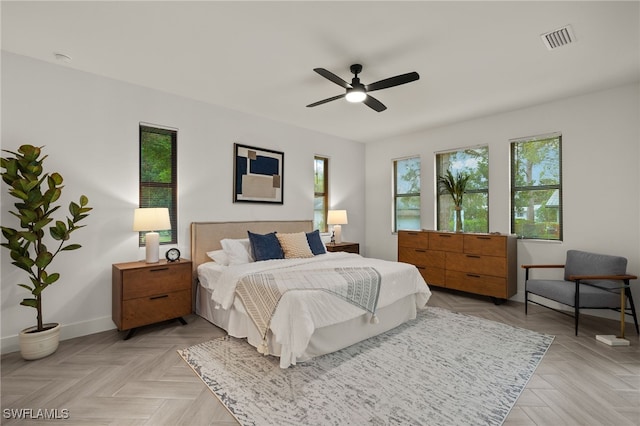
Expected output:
(591, 281)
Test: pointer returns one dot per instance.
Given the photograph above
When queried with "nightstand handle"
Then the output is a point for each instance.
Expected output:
(159, 269)
(159, 297)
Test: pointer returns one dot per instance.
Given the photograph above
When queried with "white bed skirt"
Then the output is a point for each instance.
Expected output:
(324, 340)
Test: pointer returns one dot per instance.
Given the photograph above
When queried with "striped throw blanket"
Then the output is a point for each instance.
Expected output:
(261, 292)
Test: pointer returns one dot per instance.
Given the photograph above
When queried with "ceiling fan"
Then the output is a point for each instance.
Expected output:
(358, 92)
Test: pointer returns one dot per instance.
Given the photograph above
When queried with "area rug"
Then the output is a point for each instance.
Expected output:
(443, 368)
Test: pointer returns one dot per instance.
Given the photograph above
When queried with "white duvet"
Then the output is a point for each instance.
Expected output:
(299, 313)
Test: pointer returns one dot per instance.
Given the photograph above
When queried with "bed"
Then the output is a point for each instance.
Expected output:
(306, 322)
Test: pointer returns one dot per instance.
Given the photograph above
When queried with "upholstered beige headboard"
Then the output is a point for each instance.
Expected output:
(206, 236)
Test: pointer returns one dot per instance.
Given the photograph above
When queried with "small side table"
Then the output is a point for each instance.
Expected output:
(147, 293)
(344, 246)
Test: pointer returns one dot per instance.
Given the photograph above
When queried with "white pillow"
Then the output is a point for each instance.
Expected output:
(219, 256)
(238, 251)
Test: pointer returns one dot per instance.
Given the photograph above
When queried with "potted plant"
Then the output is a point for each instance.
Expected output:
(454, 186)
(37, 193)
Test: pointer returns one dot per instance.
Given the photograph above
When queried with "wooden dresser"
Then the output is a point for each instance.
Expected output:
(483, 264)
(146, 293)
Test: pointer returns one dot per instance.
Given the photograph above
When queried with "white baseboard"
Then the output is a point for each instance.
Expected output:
(68, 331)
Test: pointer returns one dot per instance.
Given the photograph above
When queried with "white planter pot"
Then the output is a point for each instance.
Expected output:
(39, 344)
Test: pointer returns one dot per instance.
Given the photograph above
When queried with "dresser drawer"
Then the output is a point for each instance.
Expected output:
(490, 245)
(156, 280)
(414, 239)
(421, 257)
(445, 241)
(433, 276)
(152, 309)
(476, 283)
(475, 264)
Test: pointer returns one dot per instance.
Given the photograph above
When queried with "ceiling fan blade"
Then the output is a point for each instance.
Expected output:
(324, 101)
(332, 77)
(393, 81)
(374, 104)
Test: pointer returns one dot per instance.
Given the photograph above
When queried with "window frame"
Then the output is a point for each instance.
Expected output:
(514, 189)
(324, 194)
(172, 185)
(396, 195)
(440, 172)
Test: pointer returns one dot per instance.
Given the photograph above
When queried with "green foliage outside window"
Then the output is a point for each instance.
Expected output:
(321, 193)
(406, 192)
(158, 176)
(475, 205)
(536, 187)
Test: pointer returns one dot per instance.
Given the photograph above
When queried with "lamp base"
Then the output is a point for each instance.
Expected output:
(337, 230)
(152, 247)
(612, 340)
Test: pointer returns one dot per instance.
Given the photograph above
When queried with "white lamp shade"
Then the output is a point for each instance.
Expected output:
(151, 219)
(337, 217)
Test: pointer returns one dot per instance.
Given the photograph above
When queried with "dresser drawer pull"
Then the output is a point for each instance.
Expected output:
(473, 276)
(420, 267)
(158, 269)
(420, 251)
(412, 233)
(164, 296)
(444, 236)
(473, 256)
(483, 238)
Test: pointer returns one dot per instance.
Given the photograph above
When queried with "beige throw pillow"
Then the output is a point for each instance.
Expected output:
(294, 245)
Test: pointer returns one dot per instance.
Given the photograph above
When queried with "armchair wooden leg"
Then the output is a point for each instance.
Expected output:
(577, 304)
(633, 308)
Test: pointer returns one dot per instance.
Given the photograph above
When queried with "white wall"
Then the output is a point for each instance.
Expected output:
(89, 126)
(601, 182)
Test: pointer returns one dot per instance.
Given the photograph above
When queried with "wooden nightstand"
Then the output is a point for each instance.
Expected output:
(344, 246)
(146, 293)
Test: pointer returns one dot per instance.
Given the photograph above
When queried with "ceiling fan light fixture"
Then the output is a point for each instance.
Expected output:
(356, 95)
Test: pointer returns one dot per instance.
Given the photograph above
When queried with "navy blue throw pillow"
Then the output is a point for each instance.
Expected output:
(265, 247)
(315, 243)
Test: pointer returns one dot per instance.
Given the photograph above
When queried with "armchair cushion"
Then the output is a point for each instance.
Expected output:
(564, 292)
(585, 263)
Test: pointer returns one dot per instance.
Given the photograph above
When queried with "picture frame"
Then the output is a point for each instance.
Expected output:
(258, 175)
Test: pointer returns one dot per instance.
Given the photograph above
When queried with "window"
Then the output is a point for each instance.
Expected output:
(158, 176)
(320, 193)
(536, 187)
(475, 203)
(406, 194)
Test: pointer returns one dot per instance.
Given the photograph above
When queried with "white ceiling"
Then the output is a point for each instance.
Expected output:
(474, 58)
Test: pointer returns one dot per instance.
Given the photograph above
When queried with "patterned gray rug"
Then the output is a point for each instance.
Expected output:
(443, 368)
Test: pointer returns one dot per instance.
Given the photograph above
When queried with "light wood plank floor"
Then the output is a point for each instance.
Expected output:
(103, 380)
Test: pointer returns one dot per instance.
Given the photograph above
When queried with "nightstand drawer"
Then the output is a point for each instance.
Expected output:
(155, 280)
(152, 309)
(346, 247)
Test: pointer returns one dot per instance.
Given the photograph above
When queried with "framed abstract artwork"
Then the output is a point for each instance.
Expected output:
(257, 175)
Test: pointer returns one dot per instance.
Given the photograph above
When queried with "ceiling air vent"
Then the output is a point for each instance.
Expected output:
(557, 38)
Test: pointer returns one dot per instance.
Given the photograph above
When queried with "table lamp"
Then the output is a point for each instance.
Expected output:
(337, 218)
(151, 220)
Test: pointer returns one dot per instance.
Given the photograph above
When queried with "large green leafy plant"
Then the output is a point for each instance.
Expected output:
(37, 193)
(455, 186)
